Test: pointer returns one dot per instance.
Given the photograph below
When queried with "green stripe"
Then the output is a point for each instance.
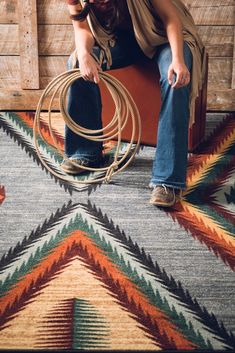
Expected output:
(215, 170)
(43, 252)
(222, 222)
(154, 297)
(85, 335)
(140, 282)
(49, 149)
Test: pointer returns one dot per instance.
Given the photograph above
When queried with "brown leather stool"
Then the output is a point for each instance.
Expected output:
(142, 83)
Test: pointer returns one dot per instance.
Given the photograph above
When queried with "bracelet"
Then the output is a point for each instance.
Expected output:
(76, 17)
(81, 15)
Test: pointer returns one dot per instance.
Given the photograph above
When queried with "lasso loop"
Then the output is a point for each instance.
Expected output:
(125, 109)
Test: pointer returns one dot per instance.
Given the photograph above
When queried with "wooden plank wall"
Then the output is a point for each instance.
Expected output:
(35, 43)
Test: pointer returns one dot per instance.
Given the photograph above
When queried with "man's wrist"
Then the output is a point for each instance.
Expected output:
(73, 2)
(74, 8)
(83, 54)
(177, 59)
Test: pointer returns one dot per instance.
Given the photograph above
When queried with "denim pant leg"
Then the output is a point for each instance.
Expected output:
(84, 99)
(170, 162)
(84, 107)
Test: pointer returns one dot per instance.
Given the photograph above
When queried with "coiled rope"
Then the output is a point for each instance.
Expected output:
(125, 109)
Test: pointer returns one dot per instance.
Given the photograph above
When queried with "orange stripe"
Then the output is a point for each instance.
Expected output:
(25, 117)
(80, 238)
(202, 162)
(46, 134)
(222, 241)
(29, 122)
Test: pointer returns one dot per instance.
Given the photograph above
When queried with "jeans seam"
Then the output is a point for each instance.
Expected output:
(85, 156)
(179, 185)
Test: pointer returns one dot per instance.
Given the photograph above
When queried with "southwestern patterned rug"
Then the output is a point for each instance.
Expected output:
(97, 267)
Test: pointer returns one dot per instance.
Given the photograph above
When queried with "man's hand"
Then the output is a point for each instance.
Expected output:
(89, 68)
(182, 75)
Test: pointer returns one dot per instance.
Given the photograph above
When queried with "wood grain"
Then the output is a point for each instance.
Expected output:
(220, 73)
(219, 40)
(26, 47)
(211, 12)
(59, 39)
(8, 11)
(9, 39)
(50, 66)
(14, 99)
(204, 12)
(28, 44)
(220, 100)
(233, 72)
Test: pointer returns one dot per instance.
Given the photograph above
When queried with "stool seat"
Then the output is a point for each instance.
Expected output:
(142, 81)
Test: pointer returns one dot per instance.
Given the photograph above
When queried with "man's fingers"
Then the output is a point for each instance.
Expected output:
(181, 81)
(96, 78)
(176, 83)
(86, 78)
(170, 76)
(93, 77)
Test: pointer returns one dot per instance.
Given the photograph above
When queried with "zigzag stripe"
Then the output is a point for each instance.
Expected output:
(25, 141)
(222, 223)
(210, 145)
(173, 287)
(214, 187)
(220, 229)
(154, 296)
(28, 118)
(64, 327)
(13, 254)
(205, 168)
(99, 259)
(20, 128)
(24, 135)
(158, 287)
(53, 158)
(47, 240)
(207, 231)
(220, 131)
(203, 313)
(229, 216)
(109, 146)
(222, 170)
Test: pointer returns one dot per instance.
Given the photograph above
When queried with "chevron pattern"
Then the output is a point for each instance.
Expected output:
(79, 239)
(20, 127)
(78, 282)
(204, 210)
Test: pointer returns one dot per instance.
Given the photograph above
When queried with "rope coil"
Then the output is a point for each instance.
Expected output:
(125, 109)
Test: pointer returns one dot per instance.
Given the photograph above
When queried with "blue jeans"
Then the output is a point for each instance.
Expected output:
(85, 108)
(170, 163)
